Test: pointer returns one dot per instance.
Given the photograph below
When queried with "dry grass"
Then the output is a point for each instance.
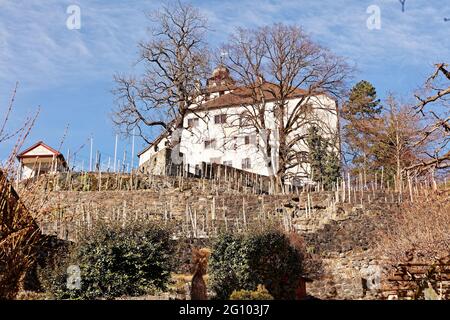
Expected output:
(419, 230)
(19, 237)
(19, 233)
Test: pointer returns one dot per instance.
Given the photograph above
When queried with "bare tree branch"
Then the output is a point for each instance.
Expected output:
(435, 109)
(174, 60)
(285, 75)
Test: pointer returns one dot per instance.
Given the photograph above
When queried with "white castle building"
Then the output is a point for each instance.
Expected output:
(219, 130)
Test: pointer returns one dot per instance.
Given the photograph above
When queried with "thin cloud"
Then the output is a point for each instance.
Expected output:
(35, 43)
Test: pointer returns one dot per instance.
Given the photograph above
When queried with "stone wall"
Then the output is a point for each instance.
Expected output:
(419, 280)
(352, 267)
(210, 211)
(157, 164)
(340, 234)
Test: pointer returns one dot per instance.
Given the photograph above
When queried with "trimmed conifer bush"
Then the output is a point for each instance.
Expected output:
(242, 262)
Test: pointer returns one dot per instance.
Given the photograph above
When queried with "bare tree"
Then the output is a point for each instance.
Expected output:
(5, 132)
(245, 54)
(435, 108)
(19, 135)
(283, 73)
(394, 137)
(174, 60)
(19, 233)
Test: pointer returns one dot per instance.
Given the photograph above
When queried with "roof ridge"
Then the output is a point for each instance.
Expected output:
(39, 143)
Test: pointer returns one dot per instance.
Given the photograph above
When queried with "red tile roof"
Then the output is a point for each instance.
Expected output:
(37, 144)
(248, 95)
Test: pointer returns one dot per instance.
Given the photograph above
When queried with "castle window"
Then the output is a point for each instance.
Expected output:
(192, 123)
(244, 120)
(220, 118)
(251, 139)
(210, 144)
(246, 163)
(302, 157)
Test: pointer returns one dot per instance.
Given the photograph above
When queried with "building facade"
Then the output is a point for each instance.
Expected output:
(40, 159)
(220, 129)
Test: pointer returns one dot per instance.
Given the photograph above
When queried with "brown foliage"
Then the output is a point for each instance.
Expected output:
(19, 232)
(19, 235)
(312, 263)
(200, 263)
(419, 230)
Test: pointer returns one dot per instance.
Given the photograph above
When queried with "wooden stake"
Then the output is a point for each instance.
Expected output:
(115, 153)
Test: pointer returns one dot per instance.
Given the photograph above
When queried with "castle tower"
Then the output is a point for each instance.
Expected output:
(220, 78)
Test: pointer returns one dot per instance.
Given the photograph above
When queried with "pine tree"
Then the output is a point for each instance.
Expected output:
(361, 114)
(363, 102)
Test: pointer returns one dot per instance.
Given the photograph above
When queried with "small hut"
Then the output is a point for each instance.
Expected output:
(40, 159)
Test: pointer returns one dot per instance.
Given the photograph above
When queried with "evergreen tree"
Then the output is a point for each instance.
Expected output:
(323, 158)
(332, 168)
(361, 114)
(363, 102)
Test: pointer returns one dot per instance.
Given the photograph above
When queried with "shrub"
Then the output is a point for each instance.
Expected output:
(420, 229)
(261, 293)
(245, 261)
(114, 261)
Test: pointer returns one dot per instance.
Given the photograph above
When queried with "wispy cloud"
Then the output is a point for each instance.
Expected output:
(35, 44)
(412, 40)
(37, 49)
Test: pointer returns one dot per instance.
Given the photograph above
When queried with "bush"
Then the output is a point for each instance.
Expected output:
(419, 230)
(261, 293)
(245, 261)
(114, 261)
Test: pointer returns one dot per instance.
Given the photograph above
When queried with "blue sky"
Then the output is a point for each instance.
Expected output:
(69, 72)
